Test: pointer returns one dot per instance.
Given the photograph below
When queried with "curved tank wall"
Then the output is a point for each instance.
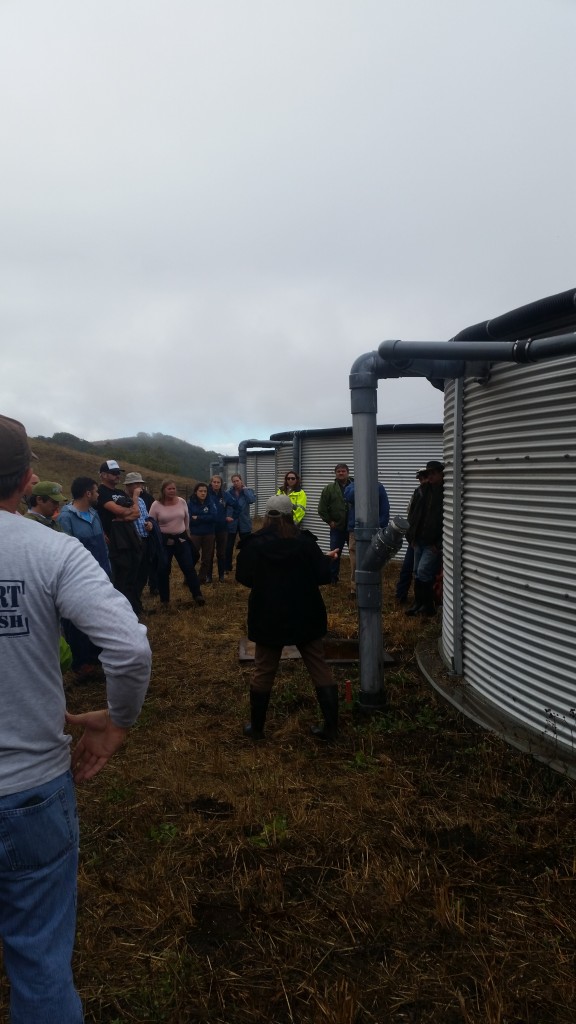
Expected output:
(402, 450)
(509, 616)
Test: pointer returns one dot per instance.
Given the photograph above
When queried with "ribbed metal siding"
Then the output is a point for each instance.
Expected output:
(284, 463)
(261, 477)
(448, 538)
(230, 464)
(399, 456)
(519, 545)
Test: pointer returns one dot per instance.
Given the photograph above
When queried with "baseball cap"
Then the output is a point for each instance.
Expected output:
(49, 489)
(110, 466)
(279, 505)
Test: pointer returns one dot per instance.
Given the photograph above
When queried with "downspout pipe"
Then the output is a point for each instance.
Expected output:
(252, 443)
(439, 360)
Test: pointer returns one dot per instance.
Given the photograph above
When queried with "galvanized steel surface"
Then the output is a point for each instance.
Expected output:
(400, 454)
(519, 546)
(261, 477)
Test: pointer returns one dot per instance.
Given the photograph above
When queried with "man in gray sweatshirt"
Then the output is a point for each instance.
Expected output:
(44, 576)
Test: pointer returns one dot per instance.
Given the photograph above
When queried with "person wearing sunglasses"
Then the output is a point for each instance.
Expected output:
(292, 487)
(118, 512)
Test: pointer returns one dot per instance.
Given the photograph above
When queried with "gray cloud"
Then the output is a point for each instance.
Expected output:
(210, 210)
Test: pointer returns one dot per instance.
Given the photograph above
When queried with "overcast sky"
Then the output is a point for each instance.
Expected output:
(209, 210)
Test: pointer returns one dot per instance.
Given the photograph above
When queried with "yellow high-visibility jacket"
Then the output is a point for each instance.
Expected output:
(298, 499)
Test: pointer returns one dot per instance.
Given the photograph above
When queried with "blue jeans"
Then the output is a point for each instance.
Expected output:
(427, 562)
(338, 538)
(38, 870)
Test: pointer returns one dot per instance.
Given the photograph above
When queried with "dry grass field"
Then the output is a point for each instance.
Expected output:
(416, 871)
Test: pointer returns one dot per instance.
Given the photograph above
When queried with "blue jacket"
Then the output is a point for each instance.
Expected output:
(89, 533)
(202, 521)
(383, 506)
(221, 506)
(240, 505)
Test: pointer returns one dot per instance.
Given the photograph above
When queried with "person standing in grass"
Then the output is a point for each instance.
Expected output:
(171, 513)
(222, 516)
(79, 519)
(202, 530)
(292, 486)
(284, 568)
(46, 575)
(239, 498)
(332, 508)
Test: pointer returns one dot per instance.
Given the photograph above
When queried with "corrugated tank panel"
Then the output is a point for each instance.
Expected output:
(447, 545)
(284, 462)
(230, 464)
(519, 545)
(260, 471)
(318, 456)
(400, 455)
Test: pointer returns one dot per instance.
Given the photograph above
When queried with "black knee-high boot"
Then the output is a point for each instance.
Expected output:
(419, 598)
(259, 702)
(327, 697)
(428, 603)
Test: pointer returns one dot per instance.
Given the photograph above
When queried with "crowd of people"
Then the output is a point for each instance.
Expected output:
(84, 573)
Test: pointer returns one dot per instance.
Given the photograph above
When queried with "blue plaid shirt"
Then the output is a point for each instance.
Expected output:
(139, 524)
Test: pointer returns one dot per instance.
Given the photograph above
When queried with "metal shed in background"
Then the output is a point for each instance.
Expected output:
(402, 449)
(260, 475)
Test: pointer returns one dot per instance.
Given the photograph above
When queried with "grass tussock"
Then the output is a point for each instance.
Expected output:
(419, 871)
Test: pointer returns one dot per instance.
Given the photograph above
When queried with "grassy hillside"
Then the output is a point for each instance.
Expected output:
(62, 464)
(162, 453)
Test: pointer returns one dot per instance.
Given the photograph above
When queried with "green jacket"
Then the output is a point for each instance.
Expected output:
(52, 524)
(332, 507)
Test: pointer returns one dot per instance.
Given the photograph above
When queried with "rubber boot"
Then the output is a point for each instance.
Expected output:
(428, 603)
(419, 598)
(327, 697)
(259, 702)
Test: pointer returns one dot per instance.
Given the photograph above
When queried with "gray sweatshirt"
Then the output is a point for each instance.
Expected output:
(46, 575)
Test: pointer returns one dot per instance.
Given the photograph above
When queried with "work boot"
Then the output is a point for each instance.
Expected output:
(258, 707)
(428, 602)
(327, 697)
(419, 599)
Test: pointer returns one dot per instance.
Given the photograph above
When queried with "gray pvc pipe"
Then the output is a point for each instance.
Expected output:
(445, 360)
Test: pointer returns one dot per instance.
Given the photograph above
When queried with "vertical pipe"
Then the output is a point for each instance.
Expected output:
(364, 395)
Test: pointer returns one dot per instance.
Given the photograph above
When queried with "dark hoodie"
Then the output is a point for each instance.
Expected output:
(285, 605)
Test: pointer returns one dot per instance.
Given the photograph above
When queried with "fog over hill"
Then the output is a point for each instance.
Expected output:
(159, 453)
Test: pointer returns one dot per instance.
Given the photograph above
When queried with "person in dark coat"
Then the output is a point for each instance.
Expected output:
(425, 535)
(284, 567)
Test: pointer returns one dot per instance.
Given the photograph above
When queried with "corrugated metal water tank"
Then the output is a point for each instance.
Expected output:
(261, 477)
(516, 461)
(402, 449)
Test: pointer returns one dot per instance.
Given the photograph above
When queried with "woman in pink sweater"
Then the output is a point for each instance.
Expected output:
(171, 514)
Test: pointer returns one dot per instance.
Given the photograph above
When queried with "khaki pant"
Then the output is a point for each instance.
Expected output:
(267, 659)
